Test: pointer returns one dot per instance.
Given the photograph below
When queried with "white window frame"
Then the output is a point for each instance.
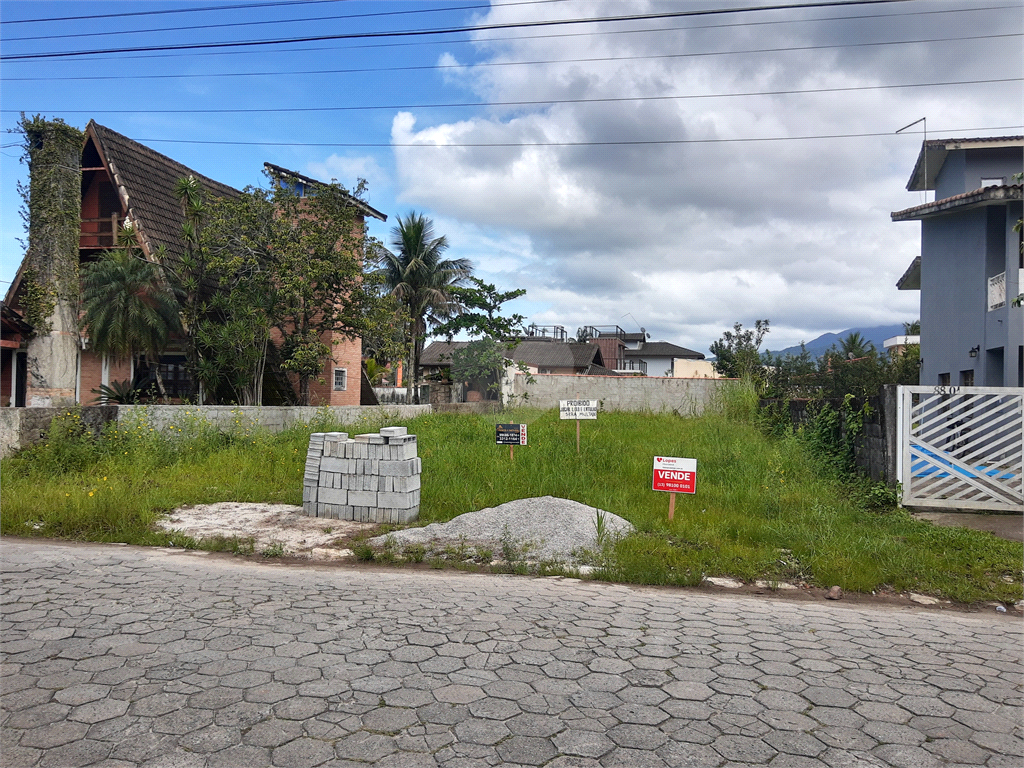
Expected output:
(341, 386)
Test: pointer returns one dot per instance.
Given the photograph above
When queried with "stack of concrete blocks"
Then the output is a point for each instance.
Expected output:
(368, 478)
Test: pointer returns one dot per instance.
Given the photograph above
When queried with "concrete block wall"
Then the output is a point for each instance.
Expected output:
(372, 478)
(621, 393)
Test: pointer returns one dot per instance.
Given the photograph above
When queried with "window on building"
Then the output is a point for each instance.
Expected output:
(967, 378)
(994, 181)
(943, 379)
(340, 379)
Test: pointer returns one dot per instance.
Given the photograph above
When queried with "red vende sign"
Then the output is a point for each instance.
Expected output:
(675, 475)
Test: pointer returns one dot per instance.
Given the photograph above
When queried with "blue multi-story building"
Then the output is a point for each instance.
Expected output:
(971, 267)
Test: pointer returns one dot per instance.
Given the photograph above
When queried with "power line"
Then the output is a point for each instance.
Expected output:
(450, 30)
(506, 145)
(523, 103)
(281, 21)
(169, 10)
(646, 30)
(421, 67)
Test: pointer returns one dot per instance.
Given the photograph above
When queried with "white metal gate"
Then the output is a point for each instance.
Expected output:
(962, 447)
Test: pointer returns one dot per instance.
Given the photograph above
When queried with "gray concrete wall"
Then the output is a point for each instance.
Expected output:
(22, 427)
(622, 393)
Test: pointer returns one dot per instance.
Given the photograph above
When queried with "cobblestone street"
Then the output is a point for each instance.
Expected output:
(124, 656)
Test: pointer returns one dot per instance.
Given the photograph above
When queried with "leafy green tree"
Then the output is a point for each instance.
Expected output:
(479, 313)
(417, 274)
(854, 346)
(913, 328)
(128, 310)
(280, 264)
(737, 353)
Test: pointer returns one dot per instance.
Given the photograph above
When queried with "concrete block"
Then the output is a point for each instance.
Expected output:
(394, 431)
(334, 495)
(370, 438)
(341, 466)
(402, 439)
(403, 468)
(397, 500)
(362, 498)
(405, 484)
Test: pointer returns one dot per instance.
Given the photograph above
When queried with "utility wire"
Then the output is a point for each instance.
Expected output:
(474, 65)
(524, 103)
(169, 10)
(887, 133)
(646, 30)
(450, 30)
(282, 21)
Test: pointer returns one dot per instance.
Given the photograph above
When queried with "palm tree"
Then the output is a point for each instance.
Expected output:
(128, 310)
(418, 276)
(855, 346)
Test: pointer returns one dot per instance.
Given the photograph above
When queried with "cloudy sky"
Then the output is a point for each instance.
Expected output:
(677, 172)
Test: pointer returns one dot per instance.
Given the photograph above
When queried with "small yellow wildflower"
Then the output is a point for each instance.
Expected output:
(90, 493)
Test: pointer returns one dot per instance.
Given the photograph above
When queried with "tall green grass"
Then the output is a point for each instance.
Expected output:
(763, 506)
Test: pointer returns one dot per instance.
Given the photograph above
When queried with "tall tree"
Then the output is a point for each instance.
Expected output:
(738, 352)
(127, 308)
(418, 275)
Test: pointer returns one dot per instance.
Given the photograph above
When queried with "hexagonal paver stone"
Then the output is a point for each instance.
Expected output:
(52, 735)
(183, 721)
(270, 693)
(215, 698)
(795, 743)
(443, 714)
(243, 754)
(365, 747)
(637, 736)
(905, 756)
(302, 753)
(494, 709)
(641, 714)
(98, 711)
(535, 725)
(33, 717)
(213, 738)
(691, 756)
(478, 731)
(743, 749)
(272, 733)
(81, 694)
(621, 757)
(389, 719)
(248, 679)
(828, 697)
(158, 704)
(84, 752)
(526, 750)
(300, 708)
(952, 750)
(407, 697)
(458, 694)
(876, 710)
(583, 743)
(689, 690)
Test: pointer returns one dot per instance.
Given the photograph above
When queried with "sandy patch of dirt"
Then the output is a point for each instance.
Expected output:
(269, 525)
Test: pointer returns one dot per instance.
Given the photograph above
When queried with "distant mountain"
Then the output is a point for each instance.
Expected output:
(817, 347)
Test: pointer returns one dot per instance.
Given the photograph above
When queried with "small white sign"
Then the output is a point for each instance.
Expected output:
(577, 409)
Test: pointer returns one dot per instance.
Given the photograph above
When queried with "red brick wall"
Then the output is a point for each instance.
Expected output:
(92, 375)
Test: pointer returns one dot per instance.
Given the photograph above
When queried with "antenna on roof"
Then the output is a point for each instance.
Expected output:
(925, 149)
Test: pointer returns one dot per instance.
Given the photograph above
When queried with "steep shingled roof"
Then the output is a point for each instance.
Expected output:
(145, 179)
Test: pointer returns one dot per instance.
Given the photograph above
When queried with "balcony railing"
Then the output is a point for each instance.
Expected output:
(99, 233)
(536, 332)
(997, 292)
(632, 366)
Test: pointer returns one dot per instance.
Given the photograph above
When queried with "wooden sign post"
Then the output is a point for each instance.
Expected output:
(674, 475)
(577, 409)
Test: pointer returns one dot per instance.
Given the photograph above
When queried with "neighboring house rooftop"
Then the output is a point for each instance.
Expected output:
(911, 280)
(541, 354)
(662, 349)
(302, 182)
(933, 156)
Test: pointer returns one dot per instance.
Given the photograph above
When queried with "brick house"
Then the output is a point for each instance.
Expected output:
(123, 180)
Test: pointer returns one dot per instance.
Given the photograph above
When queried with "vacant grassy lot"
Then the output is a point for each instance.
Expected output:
(763, 508)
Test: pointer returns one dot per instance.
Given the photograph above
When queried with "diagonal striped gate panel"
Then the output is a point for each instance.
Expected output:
(962, 447)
